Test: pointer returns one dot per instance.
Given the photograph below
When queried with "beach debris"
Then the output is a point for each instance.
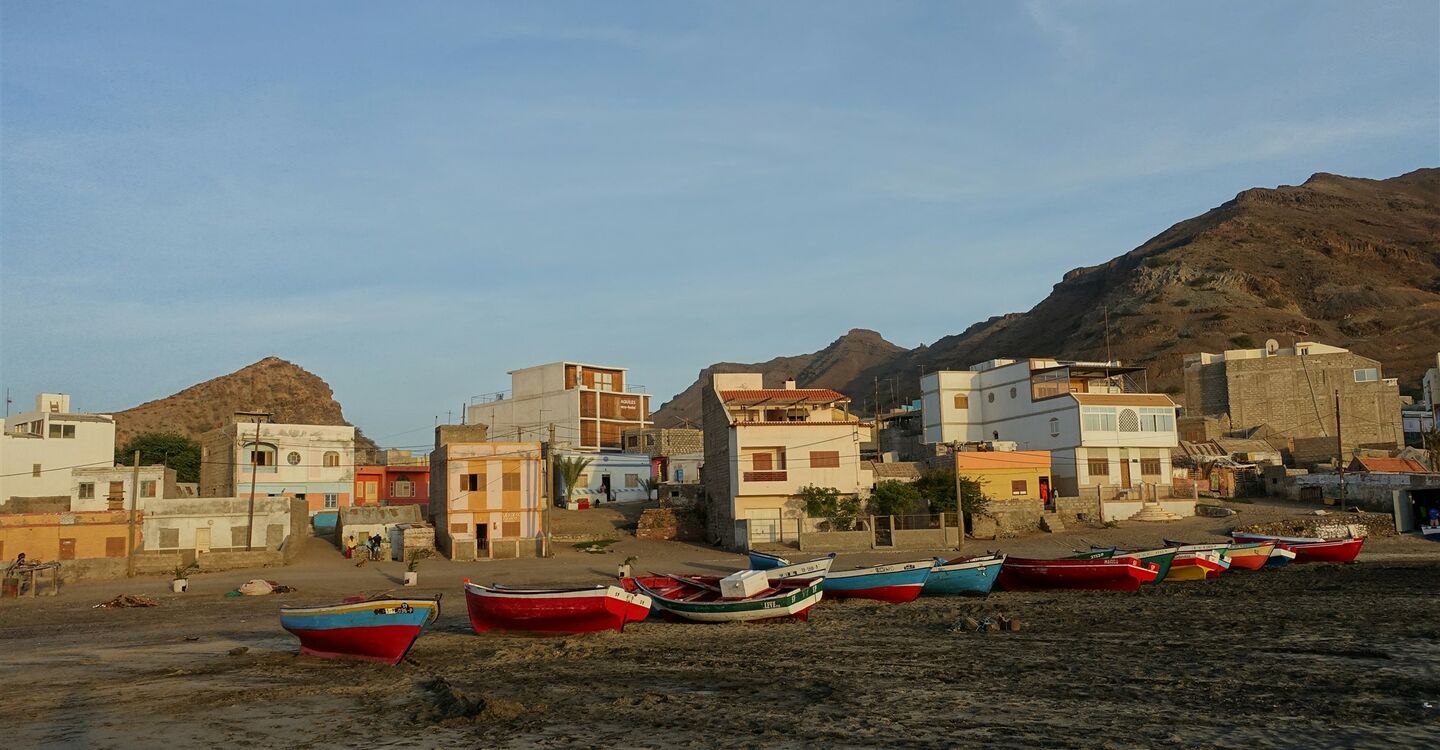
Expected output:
(988, 624)
(125, 601)
(450, 706)
(238, 651)
(1319, 512)
(262, 587)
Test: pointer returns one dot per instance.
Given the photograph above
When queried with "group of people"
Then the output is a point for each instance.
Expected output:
(372, 546)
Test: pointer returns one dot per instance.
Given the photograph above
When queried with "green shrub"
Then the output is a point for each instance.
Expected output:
(1243, 341)
(841, 511)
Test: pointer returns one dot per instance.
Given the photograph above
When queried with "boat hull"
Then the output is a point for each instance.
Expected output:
(381, 630)
(896, 583)
(557, 612)
(1336, 550)
(794, 601)
(973, 577)
(1430, 532)
(817, 568)
(1197, 566)
(1110, 574)
(763, 561)
(1249, 556)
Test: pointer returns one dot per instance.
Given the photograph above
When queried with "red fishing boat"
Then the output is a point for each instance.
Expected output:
(558, 611)
(1308, 550)
(380, 629)
(1111, 574)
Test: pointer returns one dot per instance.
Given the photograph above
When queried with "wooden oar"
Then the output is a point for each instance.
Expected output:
(690, 581)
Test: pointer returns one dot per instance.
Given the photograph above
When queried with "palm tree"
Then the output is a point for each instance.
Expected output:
(569, 469)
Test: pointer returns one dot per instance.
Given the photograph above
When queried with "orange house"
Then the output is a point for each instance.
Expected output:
(66, 536)
(1007, 475)
(487, 499)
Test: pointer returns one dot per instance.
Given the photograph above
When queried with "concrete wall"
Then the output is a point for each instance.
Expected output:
(1121, 510)
(837, 541)
(93, 444)
(173, 524)
(90, 535)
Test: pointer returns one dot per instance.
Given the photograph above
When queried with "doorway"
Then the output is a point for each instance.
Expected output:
(605, 488)
(202, 540)
(1124, 469)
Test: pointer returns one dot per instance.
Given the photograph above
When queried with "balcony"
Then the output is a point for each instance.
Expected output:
(765, 476)
(1065, 379)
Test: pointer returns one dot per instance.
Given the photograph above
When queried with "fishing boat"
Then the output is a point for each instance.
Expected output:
(1162, 557)
(1198, 565)
(896, 583)
(698, 598)
(380, 629)
(765, 561)
(1240, 555)
(1106, 574)
(963, 576)
(559, 611)
(1280, 557)
(817, 568)
(1311, 549)
(1430, 532)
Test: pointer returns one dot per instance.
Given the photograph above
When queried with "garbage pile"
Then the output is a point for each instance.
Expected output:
(125, 601)
(260, 587)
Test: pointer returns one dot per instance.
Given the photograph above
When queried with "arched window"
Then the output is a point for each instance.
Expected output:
(332, 459)
(1054, 427)
(1129, 421)
(259, 454)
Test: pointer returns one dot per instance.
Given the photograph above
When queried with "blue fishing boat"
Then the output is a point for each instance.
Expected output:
(896, 582)
(381, 629)
(963, 576)
(763, 561)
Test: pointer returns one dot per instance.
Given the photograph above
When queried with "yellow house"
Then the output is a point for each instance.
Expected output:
(485, 498)
(1008, 475)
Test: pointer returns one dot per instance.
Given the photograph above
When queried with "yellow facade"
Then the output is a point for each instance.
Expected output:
(1007, 475)
(65, 536)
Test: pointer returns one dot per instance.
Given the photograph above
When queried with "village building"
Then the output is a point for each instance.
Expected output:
(763, 445)
(205, 525)
(401, 478)
(111, 487)
(487, 498)
(590, 406)
(314, 463)
(608, 478)
(676, 453)
(1097, 420)
(1287, 397)
(40, 449)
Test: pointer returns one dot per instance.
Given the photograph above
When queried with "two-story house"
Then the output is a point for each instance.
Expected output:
(762, 445)
(40, 449)
(314, 463)
(590, 406)
(1095, 418)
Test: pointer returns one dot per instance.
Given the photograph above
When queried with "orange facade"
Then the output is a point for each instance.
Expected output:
(66, 536)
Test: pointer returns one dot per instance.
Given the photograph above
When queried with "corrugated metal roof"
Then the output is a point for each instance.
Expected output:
(797, 395)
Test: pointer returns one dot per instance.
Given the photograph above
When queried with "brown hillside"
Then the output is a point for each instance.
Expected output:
(290, 392)
(1341, 260)
(832, 367)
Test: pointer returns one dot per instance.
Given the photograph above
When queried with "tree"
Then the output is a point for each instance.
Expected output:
(941, 487)
(569, 469)
(168, 448)
(893, 498)
(841, 511)
(1431, 441)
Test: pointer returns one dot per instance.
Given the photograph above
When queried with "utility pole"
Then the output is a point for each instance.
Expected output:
(254, 474)
(130, 530)
(549, 484)
(1339, 451)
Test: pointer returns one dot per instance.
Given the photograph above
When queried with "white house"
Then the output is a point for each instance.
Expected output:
(610, 477)
(589, 405)
(39, 449)
(110, 487)
(1099, 425)
(314, 463)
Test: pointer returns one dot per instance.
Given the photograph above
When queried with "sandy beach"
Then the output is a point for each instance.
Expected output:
(1309, 656)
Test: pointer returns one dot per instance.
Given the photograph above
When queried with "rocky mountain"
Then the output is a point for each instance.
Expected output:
(290, 392)
(1345, 261)
(835, 366)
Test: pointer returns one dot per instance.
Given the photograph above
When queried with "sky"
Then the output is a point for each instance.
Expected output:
(410, 200)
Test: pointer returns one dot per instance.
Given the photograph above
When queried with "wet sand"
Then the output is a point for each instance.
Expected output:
(1308, 656)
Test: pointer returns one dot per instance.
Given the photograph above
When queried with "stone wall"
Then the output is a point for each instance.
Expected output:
(667, 525)
(837, 541)
(719, 512)
(1012, 518)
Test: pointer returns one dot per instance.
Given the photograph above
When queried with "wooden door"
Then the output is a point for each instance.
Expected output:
(67, 549)
(202, 540)
(1124, 469)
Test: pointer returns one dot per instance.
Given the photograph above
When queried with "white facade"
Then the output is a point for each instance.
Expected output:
(110, 488)
(622, 471)
(589, 406)
(40, 448)
(315, 463)
(1098, 431)
(215, 523)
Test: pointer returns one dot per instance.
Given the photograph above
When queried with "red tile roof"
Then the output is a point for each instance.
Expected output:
(1123, 399)
(785, 395)
(1392, 465)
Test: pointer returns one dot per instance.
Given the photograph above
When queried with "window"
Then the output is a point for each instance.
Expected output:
(962, 401)
(1098, 420)
(147, 488)
(1150, 467)
(632, 441)
(114, 546)
(87, 490)
(1012, 391)
(261, 454)
(1099, 468)
(510, 481)
(332, 500)
(1129, 421)
(55, 428)
(583, 481)
(758, 462)
(1054, 427)
(824, 459)
(471, 482)
(34, 470)
(990, 397)
(458, 528)
(332, 459)
(1367, 375)
(169, 538)
(1157, 420)
(604, 381)
(69, 431)
(293, 458)
(402, 488)
(117, 491)
(1019, 487)
(632, 480)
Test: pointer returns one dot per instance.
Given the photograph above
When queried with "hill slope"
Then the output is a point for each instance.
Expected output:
(1345, 261)
(290, 392)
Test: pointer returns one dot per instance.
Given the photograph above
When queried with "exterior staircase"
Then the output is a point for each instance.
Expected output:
(1051, 522)
(1152, 511)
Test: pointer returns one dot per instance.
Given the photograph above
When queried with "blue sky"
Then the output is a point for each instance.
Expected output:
(410, 200)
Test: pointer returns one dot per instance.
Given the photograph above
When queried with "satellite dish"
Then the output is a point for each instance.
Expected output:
(1271, 347)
